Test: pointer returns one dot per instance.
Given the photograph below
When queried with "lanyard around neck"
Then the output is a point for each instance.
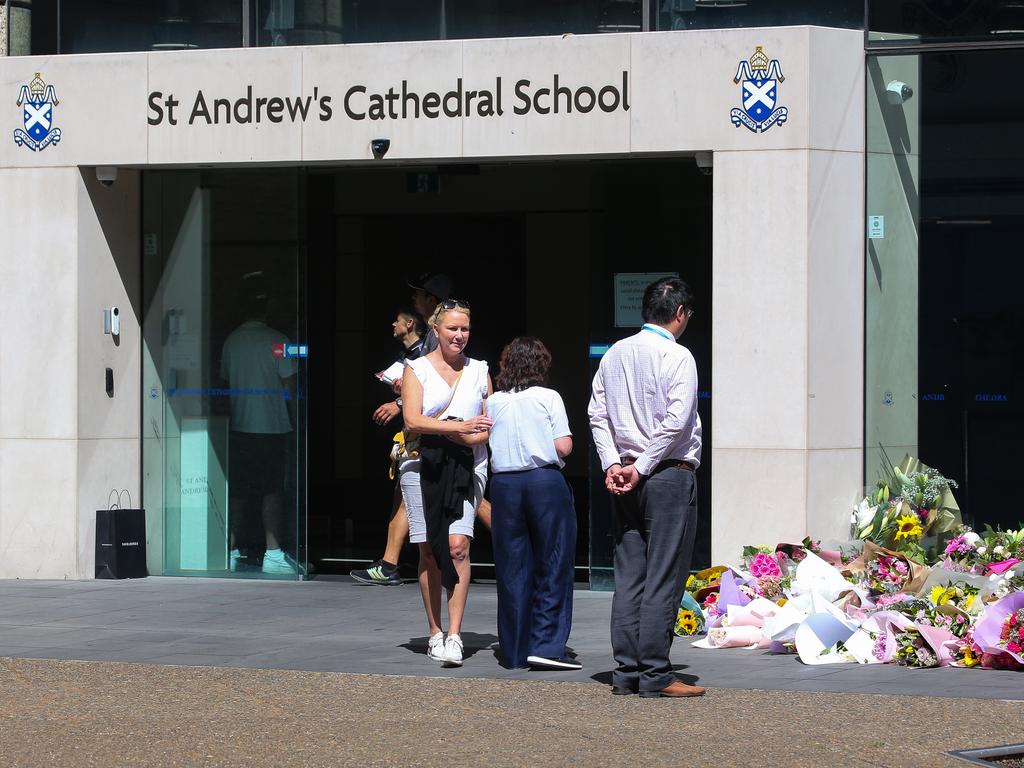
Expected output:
(660, 331)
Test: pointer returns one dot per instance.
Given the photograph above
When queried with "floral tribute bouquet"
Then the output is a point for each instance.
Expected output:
(963, 597)
(910, 503)
(703, 587)
(999, 633)
(770, 572)
(992, 552)
(965, 652)
(886, 571)
(689, 618)
(701, 593)
(797, 552)
(1012, 635)
(912, 650)
(919, 590)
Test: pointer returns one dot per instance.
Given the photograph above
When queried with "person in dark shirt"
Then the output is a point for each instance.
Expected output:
(429, 290)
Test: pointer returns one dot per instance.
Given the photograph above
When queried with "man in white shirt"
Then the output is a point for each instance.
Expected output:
(643, 414)
(261, 425)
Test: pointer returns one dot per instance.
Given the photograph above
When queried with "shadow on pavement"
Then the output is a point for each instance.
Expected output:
(472, 643)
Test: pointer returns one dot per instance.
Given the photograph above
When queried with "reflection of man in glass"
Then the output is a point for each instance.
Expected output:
(260, 423)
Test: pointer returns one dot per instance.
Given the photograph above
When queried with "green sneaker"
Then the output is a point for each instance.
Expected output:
(275, 561)
(377, 574)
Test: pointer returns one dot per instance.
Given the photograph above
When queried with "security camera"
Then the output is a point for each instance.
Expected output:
(112, 321)
(705, 162)
(897, 92)
(380, 147)
(106, 175)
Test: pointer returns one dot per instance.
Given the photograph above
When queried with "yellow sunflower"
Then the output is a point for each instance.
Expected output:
(686, 622)
(970, 658)
(909, 527)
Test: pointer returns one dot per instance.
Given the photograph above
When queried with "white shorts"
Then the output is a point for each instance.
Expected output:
(412, 494)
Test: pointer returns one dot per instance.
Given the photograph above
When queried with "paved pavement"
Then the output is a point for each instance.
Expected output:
(338, 626)
(99, 714)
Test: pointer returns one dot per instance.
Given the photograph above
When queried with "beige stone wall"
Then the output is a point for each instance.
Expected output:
(68, 252)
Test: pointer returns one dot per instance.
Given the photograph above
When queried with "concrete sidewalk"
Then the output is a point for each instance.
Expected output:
(339, 626)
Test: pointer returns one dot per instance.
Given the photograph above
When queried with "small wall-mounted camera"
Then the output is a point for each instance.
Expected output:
(112, 321)
(705, 162)
(898, 92)
(379, 148)
(106, 175)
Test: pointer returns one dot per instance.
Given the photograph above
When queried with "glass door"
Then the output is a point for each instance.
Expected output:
(224, 369)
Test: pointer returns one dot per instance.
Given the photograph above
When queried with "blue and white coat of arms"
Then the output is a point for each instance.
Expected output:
(759, 78)
(37, 100)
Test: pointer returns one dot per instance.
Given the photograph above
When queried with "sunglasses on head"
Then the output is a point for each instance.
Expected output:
(454, 304)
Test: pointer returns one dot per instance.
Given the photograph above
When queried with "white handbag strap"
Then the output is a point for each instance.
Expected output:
(451, 397)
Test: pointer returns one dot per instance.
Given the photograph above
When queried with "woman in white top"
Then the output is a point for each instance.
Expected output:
(533, 519)
(443, 396)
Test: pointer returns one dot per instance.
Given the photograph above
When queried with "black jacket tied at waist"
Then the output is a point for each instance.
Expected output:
(447, 482)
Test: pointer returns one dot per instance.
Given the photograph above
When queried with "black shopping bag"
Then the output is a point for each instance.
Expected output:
(120, 541)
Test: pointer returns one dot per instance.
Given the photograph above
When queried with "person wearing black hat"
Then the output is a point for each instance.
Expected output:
(429, 290)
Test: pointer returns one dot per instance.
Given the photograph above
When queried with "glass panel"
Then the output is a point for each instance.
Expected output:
(311, 22)
(224, 372)
(101, 26)
(899, 22)
(726, 14)
(944, 322)
(638, 224)
(891, 290)
(521, 18)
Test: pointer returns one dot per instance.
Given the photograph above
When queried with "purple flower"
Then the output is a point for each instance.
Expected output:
(957, 546)
(878, 650)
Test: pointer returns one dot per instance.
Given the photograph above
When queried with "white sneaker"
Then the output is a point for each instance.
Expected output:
(453, 651)
(435, 647)
(276, 561)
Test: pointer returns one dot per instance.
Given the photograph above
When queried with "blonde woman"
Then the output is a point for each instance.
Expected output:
(443, 397)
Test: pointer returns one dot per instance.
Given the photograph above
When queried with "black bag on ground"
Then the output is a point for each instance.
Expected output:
(120, 542)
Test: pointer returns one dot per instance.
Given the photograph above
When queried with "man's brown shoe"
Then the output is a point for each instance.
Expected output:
(676, 690)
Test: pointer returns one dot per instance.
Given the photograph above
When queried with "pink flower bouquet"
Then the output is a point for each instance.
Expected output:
(1000, 631)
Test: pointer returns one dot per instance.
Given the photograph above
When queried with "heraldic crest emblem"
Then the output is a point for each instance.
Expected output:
(759, 80)
(37, 100)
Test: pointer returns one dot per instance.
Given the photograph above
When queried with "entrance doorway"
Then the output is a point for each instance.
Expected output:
(535, 248)
(554, 250)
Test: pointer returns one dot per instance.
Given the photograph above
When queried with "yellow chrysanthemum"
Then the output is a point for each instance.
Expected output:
(970, 659)
(909, 527)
